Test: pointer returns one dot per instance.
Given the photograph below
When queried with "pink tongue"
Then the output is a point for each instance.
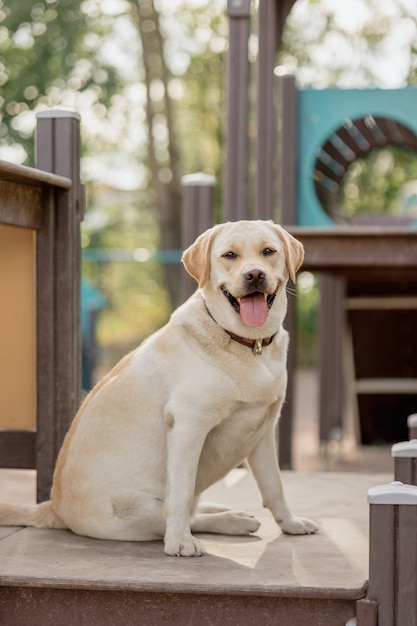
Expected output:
(253, 309)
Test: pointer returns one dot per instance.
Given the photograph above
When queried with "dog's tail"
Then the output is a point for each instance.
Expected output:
(40, 515)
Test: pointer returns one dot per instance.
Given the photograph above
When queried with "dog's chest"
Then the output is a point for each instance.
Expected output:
(260, 382)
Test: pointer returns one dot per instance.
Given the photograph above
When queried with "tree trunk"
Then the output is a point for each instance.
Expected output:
(162, 147)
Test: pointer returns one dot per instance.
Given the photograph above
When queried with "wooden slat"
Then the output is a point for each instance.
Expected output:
(327, 171)
(386, 386)
(350, 140)
(374, 139)
(335, 153)
(18, 449)
(381, 303)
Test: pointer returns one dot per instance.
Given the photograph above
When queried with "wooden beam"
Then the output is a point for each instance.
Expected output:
(20, 205)
(342, 249)
(30, 176)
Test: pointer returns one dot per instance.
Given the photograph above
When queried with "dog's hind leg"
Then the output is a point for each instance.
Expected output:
(139, 516)
(127, 516)
(211, 507)
(225, 523)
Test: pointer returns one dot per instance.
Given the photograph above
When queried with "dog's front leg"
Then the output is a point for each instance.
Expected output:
(264, 466)
(184, 449)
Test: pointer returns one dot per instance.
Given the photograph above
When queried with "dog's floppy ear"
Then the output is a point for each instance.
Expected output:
(196, 258)
(294, 250)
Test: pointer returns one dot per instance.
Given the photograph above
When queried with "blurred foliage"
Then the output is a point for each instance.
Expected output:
(378, 183)
(87, 54)
(47, 48)
(133, 286)
(346, 47)
(308, 297)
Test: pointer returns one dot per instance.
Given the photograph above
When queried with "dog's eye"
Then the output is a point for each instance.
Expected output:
(268, 251)
(229, 255)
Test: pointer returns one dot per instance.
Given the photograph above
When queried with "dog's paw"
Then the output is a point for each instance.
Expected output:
(298, 526)
(241, 523)
(186, 546)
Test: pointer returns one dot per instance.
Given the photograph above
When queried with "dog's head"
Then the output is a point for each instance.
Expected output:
(242, 269)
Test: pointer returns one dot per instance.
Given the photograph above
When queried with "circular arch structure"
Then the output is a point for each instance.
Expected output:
(337, 126)
(352, 140)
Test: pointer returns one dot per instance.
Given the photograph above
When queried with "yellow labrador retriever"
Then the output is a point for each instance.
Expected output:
(191, 403)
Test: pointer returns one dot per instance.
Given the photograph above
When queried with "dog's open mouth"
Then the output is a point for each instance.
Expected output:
(253, 308)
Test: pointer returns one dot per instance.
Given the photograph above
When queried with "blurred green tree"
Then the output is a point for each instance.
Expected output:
(47, 48)
(122, 67)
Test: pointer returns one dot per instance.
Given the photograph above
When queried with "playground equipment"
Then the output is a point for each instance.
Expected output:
(334, 128)
(49, 202)
(300, 166)
(41, 571)
(367, 316)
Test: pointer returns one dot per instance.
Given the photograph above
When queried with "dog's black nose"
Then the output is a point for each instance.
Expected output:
(255, 277)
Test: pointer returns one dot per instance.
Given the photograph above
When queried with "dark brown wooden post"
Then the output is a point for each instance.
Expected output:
(285, 168)
(58, 288)
(366, 613)
(412, 426)
(266, 115)
(236, 174)
(271, 19)
(287, 148)
(331, 333)
(393, 553)
(197, 215)
(405, 461)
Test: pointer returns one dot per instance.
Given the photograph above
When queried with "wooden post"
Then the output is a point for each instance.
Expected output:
(284, 121)
(405, 461)
(393, 553)
(197, 215)
(236, 174)
(331, 334)
(58, 289)
(366, 613)
(287, 148)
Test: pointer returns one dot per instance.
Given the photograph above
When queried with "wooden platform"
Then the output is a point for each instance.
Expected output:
(52, 577)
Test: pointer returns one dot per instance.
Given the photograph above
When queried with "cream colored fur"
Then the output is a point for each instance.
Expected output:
(182, 410)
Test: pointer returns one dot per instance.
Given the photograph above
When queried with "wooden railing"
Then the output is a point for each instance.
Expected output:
(49, 201)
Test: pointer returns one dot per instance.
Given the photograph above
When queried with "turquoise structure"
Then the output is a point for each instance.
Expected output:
(320, 113)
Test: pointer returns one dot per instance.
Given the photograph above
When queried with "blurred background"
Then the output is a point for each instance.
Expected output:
(148, 78)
